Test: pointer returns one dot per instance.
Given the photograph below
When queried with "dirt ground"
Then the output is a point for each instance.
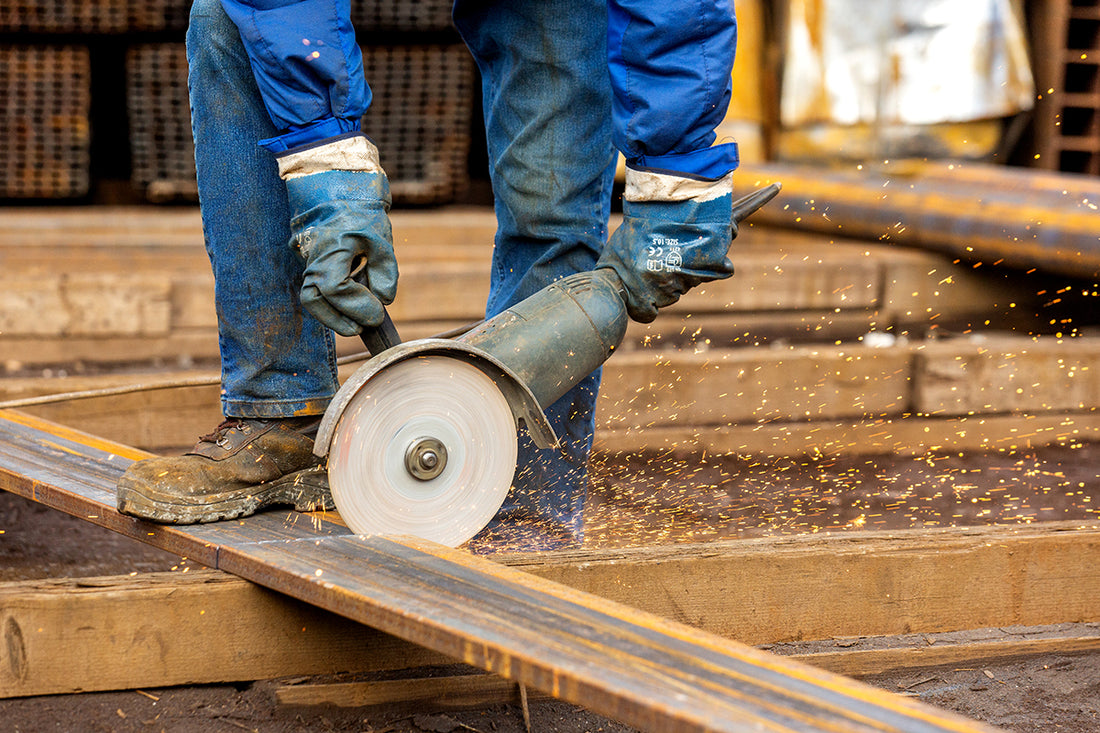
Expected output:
(638, 499)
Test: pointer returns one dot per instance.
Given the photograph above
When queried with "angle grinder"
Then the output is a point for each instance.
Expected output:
(422, 439)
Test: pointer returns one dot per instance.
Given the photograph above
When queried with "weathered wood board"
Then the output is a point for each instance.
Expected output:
(865, 583)
(127, 285)
(164, 629)
(155, 630)
(979, 394)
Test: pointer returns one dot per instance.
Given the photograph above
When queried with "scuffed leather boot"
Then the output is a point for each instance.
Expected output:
(243, 466)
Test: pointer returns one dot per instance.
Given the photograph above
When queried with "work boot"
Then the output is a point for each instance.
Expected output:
(243, 466)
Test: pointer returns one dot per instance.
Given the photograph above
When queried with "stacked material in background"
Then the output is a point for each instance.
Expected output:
(62, 62)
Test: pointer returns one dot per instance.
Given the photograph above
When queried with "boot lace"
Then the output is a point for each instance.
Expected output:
(220, 432)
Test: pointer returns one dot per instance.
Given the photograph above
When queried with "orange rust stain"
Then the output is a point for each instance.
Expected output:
(77, 436)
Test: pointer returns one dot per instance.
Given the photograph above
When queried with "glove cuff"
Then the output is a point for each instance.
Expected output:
(352, 152)
(651, 186)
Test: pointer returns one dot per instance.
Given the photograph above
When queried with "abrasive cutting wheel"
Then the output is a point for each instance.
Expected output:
(426, 447)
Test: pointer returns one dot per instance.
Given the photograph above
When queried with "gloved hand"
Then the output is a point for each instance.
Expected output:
(675, 235)
(339, 199)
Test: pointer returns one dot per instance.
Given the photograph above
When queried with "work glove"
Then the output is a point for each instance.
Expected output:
(339, 198)
(675, 235)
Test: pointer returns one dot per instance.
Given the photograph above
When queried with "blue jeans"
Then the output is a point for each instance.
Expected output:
(546, 95)
(547, 102)
(277, 361)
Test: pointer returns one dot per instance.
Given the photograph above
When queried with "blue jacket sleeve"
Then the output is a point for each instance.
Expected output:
(307, 64)
(670, 64)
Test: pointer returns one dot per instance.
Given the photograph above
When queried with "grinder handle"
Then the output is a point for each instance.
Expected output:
(384, 335)
(750, 203)
(381, 337)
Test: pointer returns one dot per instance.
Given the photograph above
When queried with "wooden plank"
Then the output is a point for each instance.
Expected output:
(907, 435)
(991, 375)
(924, 292)
(1000, 392)
(468, 233)
(700, 331)
(778, 272)
(457, 692)
(85, 304)
(155, 630)
(865, 662)
(720, 387)
(852, 584)
(431, 291)
(643, 389)
(177, 348)
(626, 664)
(163, 629)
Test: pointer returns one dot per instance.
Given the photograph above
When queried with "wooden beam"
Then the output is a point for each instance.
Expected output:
(1002, 375)
(457, 692)
(627, 664)
(865, 662)
(162, 305)
(650, 388)
(162, 629)
(907, 436)
(206, 626)
(857, 583)
(1000, 393)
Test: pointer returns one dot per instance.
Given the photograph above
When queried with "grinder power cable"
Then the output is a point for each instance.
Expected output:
(422, 439)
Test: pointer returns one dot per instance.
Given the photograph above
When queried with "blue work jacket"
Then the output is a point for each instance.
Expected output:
(669, 62)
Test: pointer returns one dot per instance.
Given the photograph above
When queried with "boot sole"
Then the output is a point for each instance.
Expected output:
(306, 490)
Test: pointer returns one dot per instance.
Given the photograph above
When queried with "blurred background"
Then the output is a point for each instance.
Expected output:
(95, 97)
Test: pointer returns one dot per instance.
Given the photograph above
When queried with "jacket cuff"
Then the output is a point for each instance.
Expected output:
(706, 164)
(312, 133)
(351, 152)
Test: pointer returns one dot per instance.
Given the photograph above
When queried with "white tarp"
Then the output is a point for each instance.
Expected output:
(904, 61)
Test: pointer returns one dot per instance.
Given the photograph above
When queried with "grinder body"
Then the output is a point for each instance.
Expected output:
(435, 468)
(558, 336)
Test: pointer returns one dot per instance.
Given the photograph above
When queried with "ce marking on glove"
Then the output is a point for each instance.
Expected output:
(304, 241)
(664, 255)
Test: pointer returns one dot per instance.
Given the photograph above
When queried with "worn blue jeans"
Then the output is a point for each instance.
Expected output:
(546, 95)
(277, 361)
(547, 102)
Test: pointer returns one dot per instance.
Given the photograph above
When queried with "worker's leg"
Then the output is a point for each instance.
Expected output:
(547, 103)
(278, 364)
(276, 361)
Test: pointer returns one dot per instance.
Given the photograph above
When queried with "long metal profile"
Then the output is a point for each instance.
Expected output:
(1022, 220)
(638, 668)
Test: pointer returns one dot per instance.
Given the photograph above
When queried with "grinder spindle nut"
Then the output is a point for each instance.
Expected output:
(426, 458)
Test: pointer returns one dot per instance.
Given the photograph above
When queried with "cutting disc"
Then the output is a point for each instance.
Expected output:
(426, 447)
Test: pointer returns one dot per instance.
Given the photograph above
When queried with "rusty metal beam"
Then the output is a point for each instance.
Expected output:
(980, 214)
(633, 666)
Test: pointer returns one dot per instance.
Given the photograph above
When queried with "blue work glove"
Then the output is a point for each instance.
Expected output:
(339, 198)
(675, 235)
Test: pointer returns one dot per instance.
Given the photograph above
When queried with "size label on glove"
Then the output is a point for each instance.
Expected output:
(664, 255)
